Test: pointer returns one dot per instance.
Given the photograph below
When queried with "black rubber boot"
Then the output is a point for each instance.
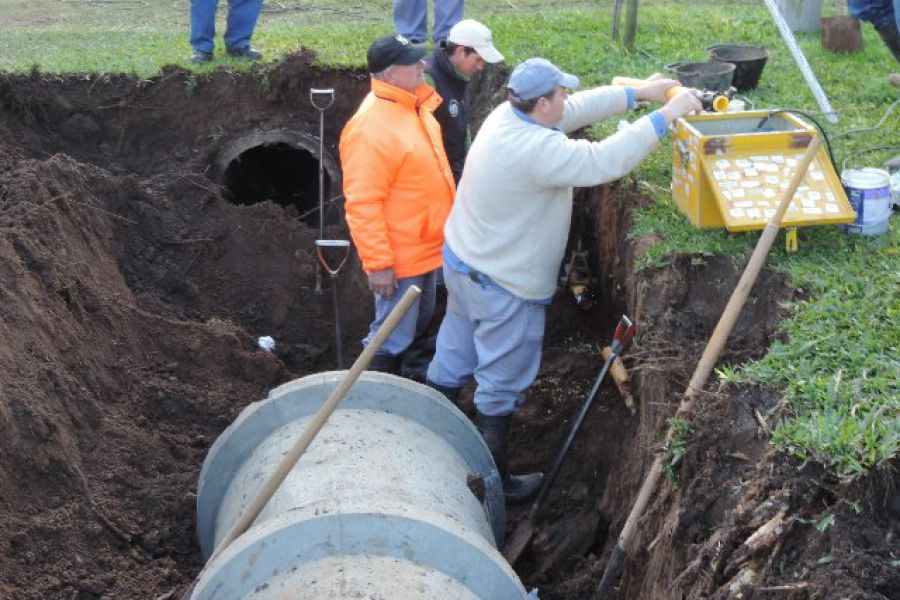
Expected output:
(385, 363)
(517, 489)
(451, 393)
(891, 39)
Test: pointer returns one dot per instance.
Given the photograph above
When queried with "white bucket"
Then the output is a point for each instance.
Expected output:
(869, 192)
(801, 15)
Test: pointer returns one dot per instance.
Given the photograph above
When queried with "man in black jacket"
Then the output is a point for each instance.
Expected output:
(468, 47)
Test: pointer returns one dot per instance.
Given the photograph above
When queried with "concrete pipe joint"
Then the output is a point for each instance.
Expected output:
(397, 497)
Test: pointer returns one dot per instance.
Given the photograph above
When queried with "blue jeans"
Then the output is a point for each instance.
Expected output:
(880, 13)
(416, 320)
(491, 335)
(411, 18)
(242, 16)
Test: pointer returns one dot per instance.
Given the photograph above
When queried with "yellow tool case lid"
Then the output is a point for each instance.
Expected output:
(732, 169)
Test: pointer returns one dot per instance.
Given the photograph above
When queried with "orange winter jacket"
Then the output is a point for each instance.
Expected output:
(398, 186)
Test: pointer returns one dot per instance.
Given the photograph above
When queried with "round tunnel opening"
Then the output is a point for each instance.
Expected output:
(280, 166)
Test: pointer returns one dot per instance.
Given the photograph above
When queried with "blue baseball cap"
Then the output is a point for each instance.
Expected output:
(536, 77)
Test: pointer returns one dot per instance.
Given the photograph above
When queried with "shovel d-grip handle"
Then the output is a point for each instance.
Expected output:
(321, 98)
(342, 244)
(625, 331)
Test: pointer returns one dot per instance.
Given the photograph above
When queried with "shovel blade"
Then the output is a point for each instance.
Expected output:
(520, 539)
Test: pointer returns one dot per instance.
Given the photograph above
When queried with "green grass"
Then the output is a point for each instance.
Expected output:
(839, 368)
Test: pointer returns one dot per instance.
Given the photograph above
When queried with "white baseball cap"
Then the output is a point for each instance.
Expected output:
(473, 34)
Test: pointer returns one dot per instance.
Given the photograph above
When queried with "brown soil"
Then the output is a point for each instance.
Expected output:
(133, 292)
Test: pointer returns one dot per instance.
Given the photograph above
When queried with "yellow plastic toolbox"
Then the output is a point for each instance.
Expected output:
(731, 170)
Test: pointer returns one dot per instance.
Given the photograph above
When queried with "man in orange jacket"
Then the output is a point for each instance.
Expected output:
(398, 190)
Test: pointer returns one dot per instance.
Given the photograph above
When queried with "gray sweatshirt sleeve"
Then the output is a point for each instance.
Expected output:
(581, 163)
(590, 106)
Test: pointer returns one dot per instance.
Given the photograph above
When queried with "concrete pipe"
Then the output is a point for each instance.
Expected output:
(397, 497)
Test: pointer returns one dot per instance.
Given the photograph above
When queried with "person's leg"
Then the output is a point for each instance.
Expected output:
(890, 31)
(388, 356)
(508, 339)
(411, 19)
(447, 13)
(455, 358)
(242, 17)
(421, 350)
(203, 25)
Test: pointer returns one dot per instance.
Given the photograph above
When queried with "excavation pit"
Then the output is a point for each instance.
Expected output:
(134, 289)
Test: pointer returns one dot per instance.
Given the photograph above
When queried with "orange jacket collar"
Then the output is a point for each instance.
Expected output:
(423, 95)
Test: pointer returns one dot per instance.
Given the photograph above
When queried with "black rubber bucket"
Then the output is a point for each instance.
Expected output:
(713, 76)
(748, 63)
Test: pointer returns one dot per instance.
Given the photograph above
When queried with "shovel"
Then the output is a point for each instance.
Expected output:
(321, 99)
(341, 247)
(525, 530)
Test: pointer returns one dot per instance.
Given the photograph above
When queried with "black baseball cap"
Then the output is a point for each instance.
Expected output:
(393, 50)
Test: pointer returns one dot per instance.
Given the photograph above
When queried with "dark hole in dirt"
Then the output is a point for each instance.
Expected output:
(282, 174)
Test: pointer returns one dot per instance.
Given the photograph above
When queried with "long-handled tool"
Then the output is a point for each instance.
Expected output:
(321, 99)
(342, 246)
(814, 86)
(525, 531)
(707, 362)
(312, 430)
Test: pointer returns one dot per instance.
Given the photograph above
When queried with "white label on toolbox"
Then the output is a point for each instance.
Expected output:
(817, 176)
(719, 175)
(777, 158)
(734, 176)
(759, 158)
(832, 208)
(736, 212)
(754, 213)
(814, 195)
(743, 204)
(751, 172)
(807, 203)
(812, 210)
(728, 184)
(738, 193)
(769, 193)
(750, 184)
(723, 163)
(829, 196)
(769, 212)
(742, 164)
(791, 162)
(773, 179)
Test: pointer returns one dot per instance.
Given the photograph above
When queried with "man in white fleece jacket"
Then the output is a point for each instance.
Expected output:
(507, 231)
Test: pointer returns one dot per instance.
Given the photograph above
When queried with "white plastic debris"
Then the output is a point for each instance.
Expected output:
(267, 343)
(533, 594)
